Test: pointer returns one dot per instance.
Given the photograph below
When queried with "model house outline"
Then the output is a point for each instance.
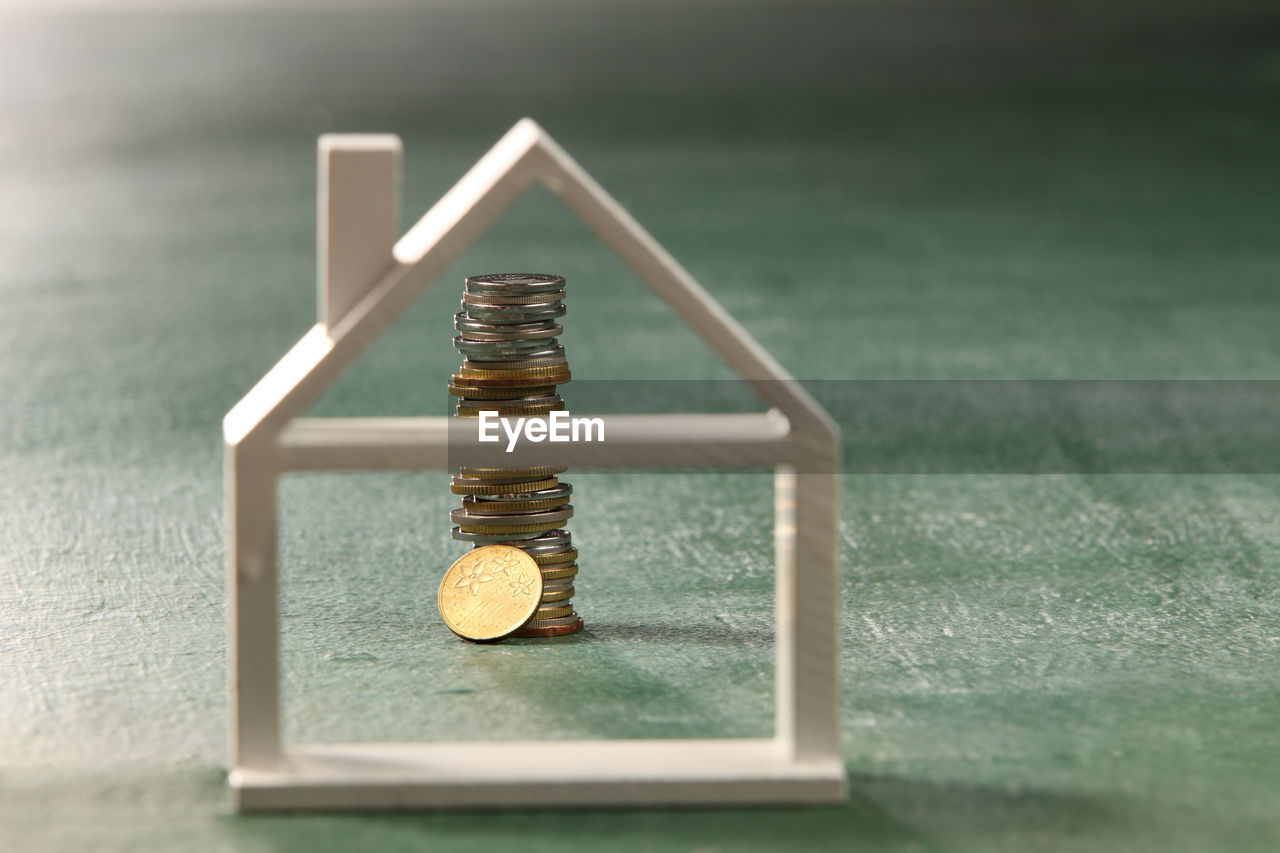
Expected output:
(368, 275)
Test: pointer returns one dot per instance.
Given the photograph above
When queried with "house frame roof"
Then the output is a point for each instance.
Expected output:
(526, 154)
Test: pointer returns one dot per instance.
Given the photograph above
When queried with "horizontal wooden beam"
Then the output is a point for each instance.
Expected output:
(326, 444)
(440, 443)
(554, 774)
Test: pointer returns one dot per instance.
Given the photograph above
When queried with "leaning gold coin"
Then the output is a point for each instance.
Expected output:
(490, 592)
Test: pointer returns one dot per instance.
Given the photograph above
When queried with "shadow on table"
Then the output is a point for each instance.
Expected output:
(682, 634)
(880, 814)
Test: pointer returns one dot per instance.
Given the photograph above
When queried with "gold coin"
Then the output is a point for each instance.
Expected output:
(498, 393)
(518, 411)
(554, 611)
(509, 473)
(513, 372)
(561, 595)
(505, 407)
(566, 556)
(481, 384)
(503, 507)
(559, 574)
(482, 488)
(489, 592)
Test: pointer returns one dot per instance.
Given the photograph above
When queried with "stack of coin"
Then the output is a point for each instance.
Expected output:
(512, 365)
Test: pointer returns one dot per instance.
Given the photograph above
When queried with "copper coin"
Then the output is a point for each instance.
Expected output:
(556, 631)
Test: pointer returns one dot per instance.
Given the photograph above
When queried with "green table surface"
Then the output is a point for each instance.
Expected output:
(934, 190)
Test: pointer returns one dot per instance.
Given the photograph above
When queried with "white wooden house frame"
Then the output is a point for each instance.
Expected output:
(368, 275)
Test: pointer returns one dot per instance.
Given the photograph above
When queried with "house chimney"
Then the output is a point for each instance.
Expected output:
(359, 217)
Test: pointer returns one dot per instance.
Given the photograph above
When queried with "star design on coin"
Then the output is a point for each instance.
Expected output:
(522, 586)
(472, 579)
(503, 565)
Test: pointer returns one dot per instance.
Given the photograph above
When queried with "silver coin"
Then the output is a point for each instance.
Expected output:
(516, 364)
(489, 342)
(552, 552)
(516, 336)
(512, 363)
(512, 304)
(491, 361)
(497, 297)
(512, 337)
(557, 585)
(515, 282)
(511, 403)
(508, 315)
(474, 353)
(515, 519)
(556, 622)
(549, 542)
(550, 549)
(557, 537)
(485, 350)
(497, 342)
(497, 338)
(516, 402)
(462, 321)
(470, 304)
(564, 490)
(478, 539)
(499, 350)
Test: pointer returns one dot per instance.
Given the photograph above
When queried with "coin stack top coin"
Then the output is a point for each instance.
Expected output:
(513, 365)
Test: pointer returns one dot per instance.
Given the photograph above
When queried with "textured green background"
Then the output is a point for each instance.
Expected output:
(939, 190)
